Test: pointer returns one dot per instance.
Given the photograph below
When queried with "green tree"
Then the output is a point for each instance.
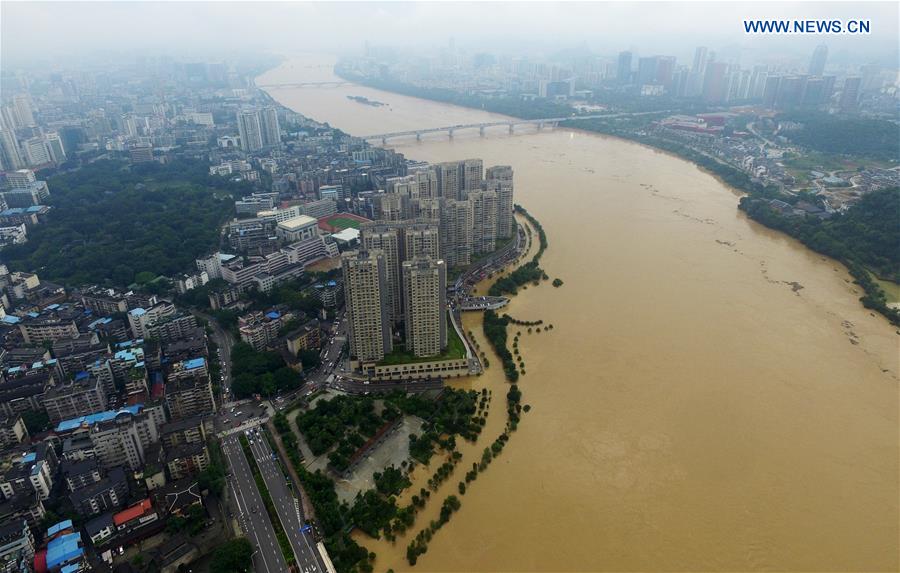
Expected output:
(234, 556)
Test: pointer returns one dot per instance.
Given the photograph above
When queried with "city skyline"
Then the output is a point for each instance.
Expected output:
(203, 28)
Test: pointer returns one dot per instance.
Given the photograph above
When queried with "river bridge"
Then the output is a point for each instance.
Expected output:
(331, 84)
(510, 124)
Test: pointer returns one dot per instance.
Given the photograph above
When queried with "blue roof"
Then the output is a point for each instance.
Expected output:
(96, 418)
(194, 363)
(81, 375)
(63, 550)
(137, 311)
(53, 306)
(129, 355)
(59, 527)
(34, 314)
(10, 319)
(28, 458)
(104, 320)
(273, 315)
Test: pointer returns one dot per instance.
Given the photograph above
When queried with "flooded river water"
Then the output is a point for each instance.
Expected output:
(713, 397)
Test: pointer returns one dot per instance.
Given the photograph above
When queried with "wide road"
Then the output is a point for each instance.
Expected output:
(287, 507)
(252, 513)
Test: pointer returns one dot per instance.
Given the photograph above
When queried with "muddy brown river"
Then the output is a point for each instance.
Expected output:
(712, 397)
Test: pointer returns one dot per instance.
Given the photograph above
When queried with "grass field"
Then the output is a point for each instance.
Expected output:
(454, 351)
(343, 222)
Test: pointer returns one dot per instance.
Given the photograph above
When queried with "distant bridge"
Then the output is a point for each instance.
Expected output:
(510, 124)
(333, 84)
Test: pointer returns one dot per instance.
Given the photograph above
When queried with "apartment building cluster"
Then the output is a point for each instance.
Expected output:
(22, 204)
(433, 218)
(124, 381)
(471, 207)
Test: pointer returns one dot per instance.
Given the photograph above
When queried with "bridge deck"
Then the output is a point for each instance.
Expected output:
(507, 123)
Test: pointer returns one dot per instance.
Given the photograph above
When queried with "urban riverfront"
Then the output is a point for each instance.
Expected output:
(691, 409)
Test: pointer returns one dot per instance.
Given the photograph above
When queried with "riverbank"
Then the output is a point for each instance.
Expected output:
(683, 366)
(874, 296)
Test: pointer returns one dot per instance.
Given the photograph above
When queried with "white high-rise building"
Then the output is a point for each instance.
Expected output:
(365, 293)
(484, 221)
(425, 293)
(10, 158)
(456, 232)
(259, 128)
(269, 127)
(386, 239)
(421, 239)
(24, 114)
(499, 179)
(472, 174)
(249, 130)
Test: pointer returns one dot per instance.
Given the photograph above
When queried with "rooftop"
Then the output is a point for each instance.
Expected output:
(298, 223)
(92, 419)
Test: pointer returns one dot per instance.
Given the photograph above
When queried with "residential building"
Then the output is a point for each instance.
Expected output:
(484, 206)
(107, 494)
(456, 232)
(186, 460)
(71, 399)
(12, 431)
(305, 337)
(260, 330)
(47, 329)
(366, 295)
(385, 238)
(190, 396)
(16, 547)
(425, 294)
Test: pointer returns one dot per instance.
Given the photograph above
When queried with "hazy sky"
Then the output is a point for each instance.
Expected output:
(50, 30)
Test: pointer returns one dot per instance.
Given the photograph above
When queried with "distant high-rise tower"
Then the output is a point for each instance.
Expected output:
(700, 60)
(249, 130)
(715, 84)
(23, 110)
(850, 93)
(817, 61)
(10, 158)
(258, 128)
(646, 71)
(365, 293)
(425, 292)
(269, 127)
(623, 72)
